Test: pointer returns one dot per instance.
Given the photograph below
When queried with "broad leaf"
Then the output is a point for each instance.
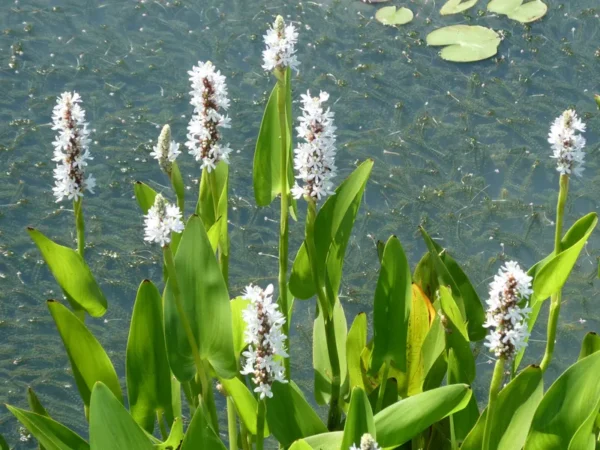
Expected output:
(72, 274)
(456, 6)
(359, 419)
(144, 195)
(206, 304)
(523, 11)
(89, 361)
(200, 434)
(389, 15)
(465, 43)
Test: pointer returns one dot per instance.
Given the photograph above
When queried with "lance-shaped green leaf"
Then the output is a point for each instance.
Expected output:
(245, 403)
(456, 6)
(3, 443)
(111, 426)
(72, 274)
(463, 421)
(552, 276)
(565, 417)
(333, 227)
(402, 421)
(35, 404)
(450, 274)
(148, 374)
(434, 357)
(205, 207)
(144, 195)
(178, 186)
(238, 305)
(200, 434)
(206, 304)
(49, 433)
(289, 415)
(518, 10)
(326, 441)
(391, 309)
(359, 419)
(465, 43)
(321, 362)
(89, 361)
(355, 343)
(514, 410)
(589, 345)
(421, 315)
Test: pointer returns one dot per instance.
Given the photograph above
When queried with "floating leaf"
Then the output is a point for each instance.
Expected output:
(465, 43)
(456, 6)
(519, 11)
(389, 15)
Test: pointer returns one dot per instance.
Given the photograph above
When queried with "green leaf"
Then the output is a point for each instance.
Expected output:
(111, 426)
(514, 410)
(552, 276)
(35, 404)
(148, 374)
(590, 345)
(3, 443)
(175, 437)
(72, 274)
(464, 420)
(238, 324)
(391, 310)
(321, 362)
(144, 195)
(421, 314)
(359, 419)
(465, 43)
(206, 304)
(355, 343)
(300, 445)
(389, 15)
(456, 6)
(200, 434)
(326, 441)
(245, 403)
(333, 227)
(519, 11)
(89, 361)
(49, 433)
(402, 421)
(178, 186)
(566, 415)
(433, 351)
(289, 415)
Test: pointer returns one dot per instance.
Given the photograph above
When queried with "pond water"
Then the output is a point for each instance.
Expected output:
(459, 148)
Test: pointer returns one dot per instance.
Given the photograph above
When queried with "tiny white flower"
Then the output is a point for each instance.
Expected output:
(366, 443)
(209, 98)
(166, 151)
(264, 322)
(162, 220)
(314, 159)
(280, 51)
(567, 145)
(71, 148)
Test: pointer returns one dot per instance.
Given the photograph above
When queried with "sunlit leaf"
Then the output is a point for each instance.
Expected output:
(589, 345)
(359, 419)
(144, 195)
(389, 15)
(465, 43)
(523, 11)
(355, 343)
(456, 6)
(245, 403)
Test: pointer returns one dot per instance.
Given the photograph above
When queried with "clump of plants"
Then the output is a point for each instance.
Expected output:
(407, 387)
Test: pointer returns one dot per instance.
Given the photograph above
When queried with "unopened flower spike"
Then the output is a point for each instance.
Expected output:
(366, 443)
(567, 145)
(210, 100)
(280, 51)
(508, 320)
(314, 159)
(162, 220)
(266, 341)
(165, 151)
(71, 148)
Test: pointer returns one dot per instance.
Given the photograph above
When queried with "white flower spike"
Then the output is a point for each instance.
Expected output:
(567, 145)
(209, 98)
(71, 148)
(506, 318)
(314, 159)
(166, 151)
(280, 51)
(266, 348)
(162, 220)
(366, 443)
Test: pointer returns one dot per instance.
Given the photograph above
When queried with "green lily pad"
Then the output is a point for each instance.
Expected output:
(389, 15)
(519, 11)
(465, 43)
(456, 6)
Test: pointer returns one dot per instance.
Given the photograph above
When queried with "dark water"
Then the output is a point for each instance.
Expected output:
(459, 148)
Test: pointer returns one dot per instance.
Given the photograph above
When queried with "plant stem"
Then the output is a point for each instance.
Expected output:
(260, 425)
(495, 388)
(232, 424)
(284, 217)
(382, 386)
(80, 226)
(335, 414)
(160, 417)
(556, 298)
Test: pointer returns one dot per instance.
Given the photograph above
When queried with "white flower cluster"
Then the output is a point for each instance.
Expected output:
(263, 359)
(506, 318)
(162, 220)
(567, 145)
(71, 151)
(315, 159)
(280, 52)
(209, 98)
(166, 151)
(366, 443)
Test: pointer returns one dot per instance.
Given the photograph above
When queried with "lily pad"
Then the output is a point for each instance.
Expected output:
(518, 10)
(465, 43)
(456, 6)
(389, 15)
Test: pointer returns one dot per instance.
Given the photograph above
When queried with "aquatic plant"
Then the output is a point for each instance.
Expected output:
(406, 386)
